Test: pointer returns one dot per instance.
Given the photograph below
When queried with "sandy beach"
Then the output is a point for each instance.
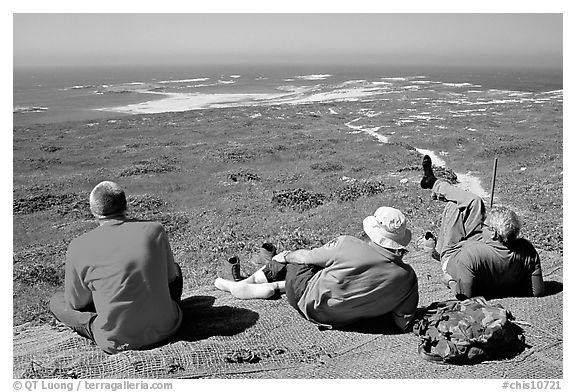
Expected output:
(178, 102)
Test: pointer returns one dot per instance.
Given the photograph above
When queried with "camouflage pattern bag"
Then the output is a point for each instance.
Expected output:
(466, 332)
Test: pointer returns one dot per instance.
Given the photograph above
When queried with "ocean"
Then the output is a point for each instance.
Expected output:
(53, 95)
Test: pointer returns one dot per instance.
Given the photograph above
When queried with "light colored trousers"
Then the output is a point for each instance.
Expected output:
(462, 218)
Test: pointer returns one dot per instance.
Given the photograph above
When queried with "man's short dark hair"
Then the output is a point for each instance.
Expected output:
(107, 199)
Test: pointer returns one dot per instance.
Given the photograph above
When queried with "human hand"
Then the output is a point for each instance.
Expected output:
(446, 278)
(281, 257)
(437, 196)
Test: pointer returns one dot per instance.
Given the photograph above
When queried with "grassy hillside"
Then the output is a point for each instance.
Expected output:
(223, 181)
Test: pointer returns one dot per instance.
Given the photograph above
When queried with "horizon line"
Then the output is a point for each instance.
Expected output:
(293, 63)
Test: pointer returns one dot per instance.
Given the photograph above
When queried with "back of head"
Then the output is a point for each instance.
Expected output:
(505, 222)
(107, 200)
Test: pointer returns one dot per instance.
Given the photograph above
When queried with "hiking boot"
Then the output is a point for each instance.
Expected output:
(428, 180)
(428, 245)
(235, 269)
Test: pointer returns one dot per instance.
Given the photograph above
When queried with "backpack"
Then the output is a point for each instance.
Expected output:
(467, 332)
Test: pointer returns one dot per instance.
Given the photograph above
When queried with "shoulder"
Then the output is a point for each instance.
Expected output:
(83, 239)
(524, 253)
(523, 247)
(82, 246)
(343, 240)
(151, 227)
(472, 253)
(334, 247)
(474, 248)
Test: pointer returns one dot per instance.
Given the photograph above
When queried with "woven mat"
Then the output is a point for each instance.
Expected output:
(223, 337)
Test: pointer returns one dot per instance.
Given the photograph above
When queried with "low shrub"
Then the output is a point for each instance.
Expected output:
(243, 175)
(327, 166)
(63, 204)
(32, 274)
(145, 204)
(353, 190)
(298, 199)
(49, 148)
(147, 166)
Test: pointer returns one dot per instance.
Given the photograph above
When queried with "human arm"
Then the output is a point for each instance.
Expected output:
(175, 287)
(455, 287)
(404, 314)
(524, 253)
(538, 288)
(76, 292)
(175, 280)
(300, 256)
(173, 269)
(321, 256)
(463, 288)
(459, 277)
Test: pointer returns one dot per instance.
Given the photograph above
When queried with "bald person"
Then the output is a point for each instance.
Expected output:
(122, 287)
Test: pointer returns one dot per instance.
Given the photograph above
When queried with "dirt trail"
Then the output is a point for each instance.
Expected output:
(370, 131)
(467, 181)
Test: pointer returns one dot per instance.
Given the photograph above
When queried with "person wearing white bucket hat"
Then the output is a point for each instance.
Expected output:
(344, 281)
(387, 228)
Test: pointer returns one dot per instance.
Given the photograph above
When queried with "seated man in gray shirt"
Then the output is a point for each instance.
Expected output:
(122, 287)
(481, 253)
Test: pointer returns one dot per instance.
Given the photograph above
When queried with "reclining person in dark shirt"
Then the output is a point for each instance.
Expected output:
(481, 253)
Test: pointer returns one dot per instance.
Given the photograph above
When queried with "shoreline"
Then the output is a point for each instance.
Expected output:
(180, 102)
(158, 91)
(345, 91)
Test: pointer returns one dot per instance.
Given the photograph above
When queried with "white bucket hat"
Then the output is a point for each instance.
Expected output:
(387, 228)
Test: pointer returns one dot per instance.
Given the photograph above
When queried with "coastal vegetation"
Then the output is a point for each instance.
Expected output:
(223, 181)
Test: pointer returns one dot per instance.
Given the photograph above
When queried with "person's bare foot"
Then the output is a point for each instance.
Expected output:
(223, 284)
(253, 291)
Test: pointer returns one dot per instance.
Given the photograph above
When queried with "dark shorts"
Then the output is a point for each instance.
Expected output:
(296, 276)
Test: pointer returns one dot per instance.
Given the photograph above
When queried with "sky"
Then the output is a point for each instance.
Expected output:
(59, 39)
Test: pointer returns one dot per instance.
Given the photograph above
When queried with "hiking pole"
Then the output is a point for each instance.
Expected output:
(493, 181)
